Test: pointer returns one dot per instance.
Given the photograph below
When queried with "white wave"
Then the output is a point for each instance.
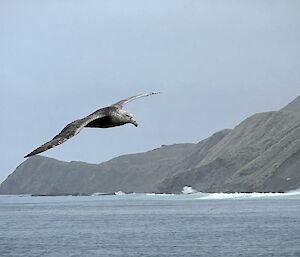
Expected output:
(98, 193)
(119, 193)
(188, 190)
(254, 195)
(219, 196)
(294, 192)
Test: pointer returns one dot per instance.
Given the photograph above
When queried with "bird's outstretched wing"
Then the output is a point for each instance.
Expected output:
(121, 103)
(68, 131)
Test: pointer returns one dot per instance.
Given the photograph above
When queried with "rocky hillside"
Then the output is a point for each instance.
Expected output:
(260, 154)
(140, 172)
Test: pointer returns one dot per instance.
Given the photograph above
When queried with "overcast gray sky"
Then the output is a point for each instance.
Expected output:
(216, 62)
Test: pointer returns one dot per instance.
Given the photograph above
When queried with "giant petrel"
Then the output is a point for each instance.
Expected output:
(106, 117)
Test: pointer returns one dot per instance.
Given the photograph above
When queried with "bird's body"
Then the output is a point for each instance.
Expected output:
(106, 117)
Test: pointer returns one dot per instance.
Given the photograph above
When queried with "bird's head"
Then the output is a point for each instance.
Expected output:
(128, 117)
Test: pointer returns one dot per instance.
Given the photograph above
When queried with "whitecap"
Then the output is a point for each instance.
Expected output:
(188, 190)
(119, 193)
(254, 195)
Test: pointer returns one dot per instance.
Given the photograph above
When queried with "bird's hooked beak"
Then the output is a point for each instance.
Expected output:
(134, 122)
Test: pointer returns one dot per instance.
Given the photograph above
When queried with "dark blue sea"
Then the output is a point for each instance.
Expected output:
(129, 225)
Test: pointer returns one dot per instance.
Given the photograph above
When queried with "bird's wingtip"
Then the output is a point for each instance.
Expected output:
(29, 155)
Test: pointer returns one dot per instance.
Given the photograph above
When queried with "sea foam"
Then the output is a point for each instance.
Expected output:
(254, 195)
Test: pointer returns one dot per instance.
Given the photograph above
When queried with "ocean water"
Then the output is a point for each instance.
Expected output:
(210, 225)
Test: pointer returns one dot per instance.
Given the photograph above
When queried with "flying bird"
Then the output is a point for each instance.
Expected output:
(110, 116)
